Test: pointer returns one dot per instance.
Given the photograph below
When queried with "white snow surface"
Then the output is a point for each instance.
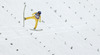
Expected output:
(70, 27)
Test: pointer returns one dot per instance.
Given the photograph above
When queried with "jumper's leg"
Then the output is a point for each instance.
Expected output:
(36, 23)
(28, 18)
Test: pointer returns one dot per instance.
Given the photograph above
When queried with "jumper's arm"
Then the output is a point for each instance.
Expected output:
(40, 19)
(34, 13)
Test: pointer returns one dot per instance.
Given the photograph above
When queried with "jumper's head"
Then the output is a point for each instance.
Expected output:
(39, 12)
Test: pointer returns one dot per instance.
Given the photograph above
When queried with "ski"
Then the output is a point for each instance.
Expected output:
(24, 16)
(36, 29)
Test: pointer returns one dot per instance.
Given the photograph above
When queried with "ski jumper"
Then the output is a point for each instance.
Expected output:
(37, 18)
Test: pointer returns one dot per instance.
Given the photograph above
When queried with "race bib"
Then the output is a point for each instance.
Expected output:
(36, 16)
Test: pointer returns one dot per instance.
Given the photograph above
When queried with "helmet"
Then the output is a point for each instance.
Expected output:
(39, 12)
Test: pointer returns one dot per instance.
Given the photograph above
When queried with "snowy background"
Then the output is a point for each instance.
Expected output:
(70, 27)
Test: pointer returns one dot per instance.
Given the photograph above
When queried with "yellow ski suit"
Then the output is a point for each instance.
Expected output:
(36, 20)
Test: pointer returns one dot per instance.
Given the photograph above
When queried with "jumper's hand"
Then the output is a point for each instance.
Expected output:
(39, 20)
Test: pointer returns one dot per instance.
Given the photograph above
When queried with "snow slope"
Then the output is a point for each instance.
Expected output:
(70, 27)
